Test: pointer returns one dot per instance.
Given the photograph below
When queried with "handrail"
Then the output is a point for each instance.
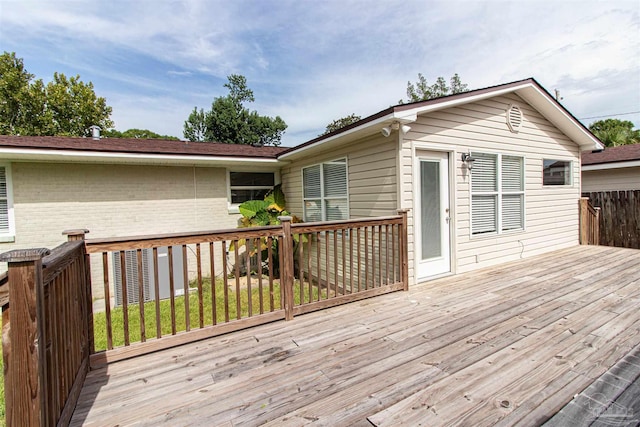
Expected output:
(46, 335)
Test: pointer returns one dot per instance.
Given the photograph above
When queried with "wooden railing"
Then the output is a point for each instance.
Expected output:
(216, 282)
(46, 332)
(221, 281)
(589, 223)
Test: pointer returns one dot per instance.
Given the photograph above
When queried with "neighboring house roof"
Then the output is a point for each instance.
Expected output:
(612, 157)
(132, 149)
(529, 90)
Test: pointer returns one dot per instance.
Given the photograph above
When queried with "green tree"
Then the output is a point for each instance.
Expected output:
(422, 90)
(230, 122)
(614, 132)
(195, 126)
(138, 134)
(14, 93)
(64, 106)
(340, 123)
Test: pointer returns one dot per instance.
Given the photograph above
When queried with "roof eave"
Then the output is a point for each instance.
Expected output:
(553, 111)
(611, 165)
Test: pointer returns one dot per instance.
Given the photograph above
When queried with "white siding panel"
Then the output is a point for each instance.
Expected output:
(611, 179)
(371, 166)
(551, 213)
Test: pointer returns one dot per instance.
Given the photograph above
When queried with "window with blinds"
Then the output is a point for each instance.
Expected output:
(5, 205)
(497, 193)
(325, 191)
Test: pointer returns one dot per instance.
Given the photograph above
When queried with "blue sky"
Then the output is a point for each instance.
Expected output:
(311, 62)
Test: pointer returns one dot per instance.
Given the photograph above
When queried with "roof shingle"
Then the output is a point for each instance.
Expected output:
(621, 153)
(139, 146)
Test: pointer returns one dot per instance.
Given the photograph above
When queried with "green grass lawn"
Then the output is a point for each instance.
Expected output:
(117, 314)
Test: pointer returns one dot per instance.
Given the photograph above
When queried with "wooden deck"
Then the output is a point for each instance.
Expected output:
(508, 345)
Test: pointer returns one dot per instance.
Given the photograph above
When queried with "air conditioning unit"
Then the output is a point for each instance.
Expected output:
(132, 277)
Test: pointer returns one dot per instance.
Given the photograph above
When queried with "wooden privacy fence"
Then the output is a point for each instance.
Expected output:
(222, 281)
(619, 222)
(589, 223)
(46, 332)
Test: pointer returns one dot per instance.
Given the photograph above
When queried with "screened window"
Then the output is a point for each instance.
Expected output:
(325, 191)
(6, 220)
(497, 193)
(250, 185)
(556, 172)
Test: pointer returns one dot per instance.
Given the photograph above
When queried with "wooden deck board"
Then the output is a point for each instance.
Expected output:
(507, 345)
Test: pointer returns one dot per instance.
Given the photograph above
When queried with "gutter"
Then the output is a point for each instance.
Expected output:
(43, 154)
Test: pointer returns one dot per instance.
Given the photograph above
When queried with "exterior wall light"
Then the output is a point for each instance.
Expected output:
(468, 160)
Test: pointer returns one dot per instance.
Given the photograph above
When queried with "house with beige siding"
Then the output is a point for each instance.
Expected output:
(611, 169)
(488, 176)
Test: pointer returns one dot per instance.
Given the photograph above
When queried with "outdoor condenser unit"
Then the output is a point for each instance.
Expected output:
(131, 269)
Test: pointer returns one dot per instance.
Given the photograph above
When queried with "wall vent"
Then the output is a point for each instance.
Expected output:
(514, 118)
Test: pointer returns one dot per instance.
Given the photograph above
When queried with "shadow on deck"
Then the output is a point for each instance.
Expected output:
(501, 346)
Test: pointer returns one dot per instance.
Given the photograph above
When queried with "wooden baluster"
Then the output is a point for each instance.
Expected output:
(200, 295)
(156, 288)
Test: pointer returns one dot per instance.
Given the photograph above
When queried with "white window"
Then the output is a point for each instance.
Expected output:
(250, 185)
(556, 172)
(325, 191)
(497, 193)
(7, 226)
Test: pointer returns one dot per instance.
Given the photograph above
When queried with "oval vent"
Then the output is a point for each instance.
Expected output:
(514, 118)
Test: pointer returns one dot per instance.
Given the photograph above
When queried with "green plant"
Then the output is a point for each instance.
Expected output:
(261, 213)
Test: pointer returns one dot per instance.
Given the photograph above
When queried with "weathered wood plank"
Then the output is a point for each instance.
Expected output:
(547, 328)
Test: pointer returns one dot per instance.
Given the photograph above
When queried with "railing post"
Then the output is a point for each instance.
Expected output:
(23, 354)
(596, 227)
(404, 249)
(584, 220)
(74, 235)
(286, 270)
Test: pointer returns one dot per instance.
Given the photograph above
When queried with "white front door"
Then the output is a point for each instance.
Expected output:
(433, 222)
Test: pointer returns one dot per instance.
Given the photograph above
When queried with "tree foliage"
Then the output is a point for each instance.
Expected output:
(64, 106)
(340, 123)
(137, 133)
(614, 132)
(422, 90)
(229, 121)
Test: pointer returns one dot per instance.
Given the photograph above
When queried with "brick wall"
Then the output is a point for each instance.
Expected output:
(114, 200)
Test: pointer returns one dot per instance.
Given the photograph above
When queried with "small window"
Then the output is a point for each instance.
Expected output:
(556, 172)
(250, 185)
(325, 191)
(7, 229)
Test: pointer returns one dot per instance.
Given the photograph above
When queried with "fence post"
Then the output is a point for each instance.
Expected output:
(404, 249)
(24, 369)
(286, 272)
(74, 235)
(584, 220)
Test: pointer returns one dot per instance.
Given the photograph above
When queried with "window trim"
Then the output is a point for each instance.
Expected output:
(234, 208)
(570, 184)
(322, 189)
(9, 236)
(498, 193)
